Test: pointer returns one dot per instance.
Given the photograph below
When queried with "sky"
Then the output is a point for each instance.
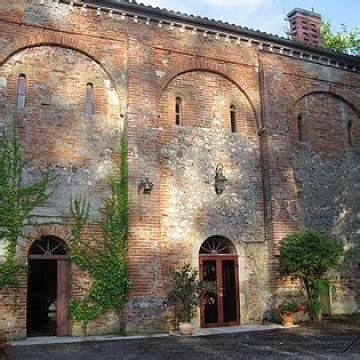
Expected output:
(265, 15)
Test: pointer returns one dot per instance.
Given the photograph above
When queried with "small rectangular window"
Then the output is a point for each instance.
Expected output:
(21, 91)
(233, 118)
(89, 106)
(178, 111)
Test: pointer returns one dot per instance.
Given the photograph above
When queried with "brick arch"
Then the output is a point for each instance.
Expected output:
(298, 94)
(334, 95)
(59, 231)
(46, 39)
(204, 66)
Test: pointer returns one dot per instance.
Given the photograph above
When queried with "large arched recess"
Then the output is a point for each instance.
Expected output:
(47, 39)
(322, 116)
(54, 126)
(336, 96)
(250, 91)
(189, 157)
(170, 82)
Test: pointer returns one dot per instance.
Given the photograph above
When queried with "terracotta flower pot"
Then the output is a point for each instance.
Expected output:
(301, 308)
(186, 329)
(288, 319)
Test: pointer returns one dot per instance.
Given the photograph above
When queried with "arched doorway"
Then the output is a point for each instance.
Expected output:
(219, 263)
(48, 288)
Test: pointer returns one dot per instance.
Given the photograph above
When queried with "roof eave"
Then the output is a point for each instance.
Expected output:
(170, 16)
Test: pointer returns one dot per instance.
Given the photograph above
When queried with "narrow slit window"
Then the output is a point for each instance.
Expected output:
(350, 134)
(233, 118)
(89, 99)
(178, 111)
(21, 91)
(300, 121)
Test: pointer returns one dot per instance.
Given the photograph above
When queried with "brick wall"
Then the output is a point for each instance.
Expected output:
(137, 71)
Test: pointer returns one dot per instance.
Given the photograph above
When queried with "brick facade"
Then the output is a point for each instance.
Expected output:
(138, 66)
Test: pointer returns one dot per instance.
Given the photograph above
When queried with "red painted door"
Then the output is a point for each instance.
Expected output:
(223, 308)
(62, 303)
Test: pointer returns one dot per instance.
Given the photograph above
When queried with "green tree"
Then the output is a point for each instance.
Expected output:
(343, 41)
(309, 256)
(18, 199)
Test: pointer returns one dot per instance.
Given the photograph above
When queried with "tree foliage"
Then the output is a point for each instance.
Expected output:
(107, 263)
(17, 200)
(309, 256)
(343, 41)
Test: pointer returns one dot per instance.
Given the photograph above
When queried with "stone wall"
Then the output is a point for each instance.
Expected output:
(137, 70)
(328, 180)
(55, 131)
(13, 309)
(319, 173)
(192, 211)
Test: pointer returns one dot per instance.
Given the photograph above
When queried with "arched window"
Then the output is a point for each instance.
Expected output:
(233, 118)
(48, 246)
(217, 245)
(300, 124)
(178, 111)
(89, 110)
(21, 91)
(349, 133)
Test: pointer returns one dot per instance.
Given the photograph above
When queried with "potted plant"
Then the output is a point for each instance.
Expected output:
(287, 310)
(185, 295)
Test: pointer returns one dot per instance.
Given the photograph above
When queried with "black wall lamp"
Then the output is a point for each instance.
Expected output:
(146, 186)
(220, 179)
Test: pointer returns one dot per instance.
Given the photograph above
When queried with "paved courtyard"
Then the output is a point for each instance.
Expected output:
(299, 343)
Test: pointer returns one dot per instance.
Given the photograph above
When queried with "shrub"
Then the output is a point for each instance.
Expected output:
(309, 256)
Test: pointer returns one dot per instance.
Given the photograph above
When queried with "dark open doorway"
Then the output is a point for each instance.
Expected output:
(42, 294)
(48, 288)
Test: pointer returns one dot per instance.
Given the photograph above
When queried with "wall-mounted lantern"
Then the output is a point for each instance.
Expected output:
(146, 186)
(220, 179)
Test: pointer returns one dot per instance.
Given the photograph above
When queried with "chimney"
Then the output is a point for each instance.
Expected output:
(305, 26)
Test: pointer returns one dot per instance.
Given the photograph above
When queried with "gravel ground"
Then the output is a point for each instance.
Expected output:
(325, 342)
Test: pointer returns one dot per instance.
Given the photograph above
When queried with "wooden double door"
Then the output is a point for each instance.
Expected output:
(222, 308)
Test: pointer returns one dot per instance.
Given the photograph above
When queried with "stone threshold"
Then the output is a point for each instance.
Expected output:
(50, 340)
(231, 330)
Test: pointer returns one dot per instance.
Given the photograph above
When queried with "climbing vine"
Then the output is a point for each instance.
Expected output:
(17, 201)
(108, 263)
